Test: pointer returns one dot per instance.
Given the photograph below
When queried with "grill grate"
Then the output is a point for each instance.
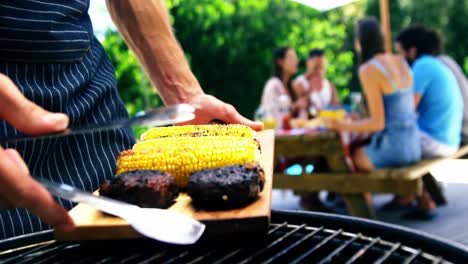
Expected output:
(284, 242)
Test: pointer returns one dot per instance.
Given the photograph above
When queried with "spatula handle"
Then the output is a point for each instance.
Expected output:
(104, 204)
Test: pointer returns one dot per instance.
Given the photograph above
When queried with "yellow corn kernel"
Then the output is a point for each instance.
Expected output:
(199, 131)
(181, 156)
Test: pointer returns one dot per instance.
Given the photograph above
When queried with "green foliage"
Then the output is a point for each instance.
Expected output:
(398, 15)
(446, 16)
(465, 64)
(230, 43)
(456, 44)
(132, 83)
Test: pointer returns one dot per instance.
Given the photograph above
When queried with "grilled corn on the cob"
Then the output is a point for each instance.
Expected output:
(199, 131)
(180, 156)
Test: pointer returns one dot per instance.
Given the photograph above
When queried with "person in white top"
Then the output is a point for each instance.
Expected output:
(313, 83)
(279, 100)
(278, 97)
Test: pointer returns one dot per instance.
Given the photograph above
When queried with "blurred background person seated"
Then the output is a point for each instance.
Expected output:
(387, 81)
(439, 105)
(279, 101)
(436, 38)
(314, 84)
(437, 94)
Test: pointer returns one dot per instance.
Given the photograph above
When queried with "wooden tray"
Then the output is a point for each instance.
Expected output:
(94, 225)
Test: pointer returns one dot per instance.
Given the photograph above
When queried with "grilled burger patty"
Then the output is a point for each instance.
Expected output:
(145, 188)
(230, 186)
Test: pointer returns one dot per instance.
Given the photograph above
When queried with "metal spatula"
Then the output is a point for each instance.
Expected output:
(163, 225)
(153, 118)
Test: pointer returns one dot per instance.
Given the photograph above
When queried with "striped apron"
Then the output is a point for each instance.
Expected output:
(48, 49)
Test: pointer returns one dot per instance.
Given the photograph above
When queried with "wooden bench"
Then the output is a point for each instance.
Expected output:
(401, 181)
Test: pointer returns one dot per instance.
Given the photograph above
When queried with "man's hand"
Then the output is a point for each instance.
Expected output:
(210, 109)
(17, 187)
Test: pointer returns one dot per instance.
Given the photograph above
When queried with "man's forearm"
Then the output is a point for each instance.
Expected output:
(145, 27)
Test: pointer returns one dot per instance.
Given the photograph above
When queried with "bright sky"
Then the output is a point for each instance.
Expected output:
(324, 5)
(100, 17)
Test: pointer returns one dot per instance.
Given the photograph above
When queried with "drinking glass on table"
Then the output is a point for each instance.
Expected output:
(356, 104)
(313, 111)
(356, 99)
(269, 122)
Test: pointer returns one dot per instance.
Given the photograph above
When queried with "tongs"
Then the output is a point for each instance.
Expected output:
(160, 224)
(156, 117)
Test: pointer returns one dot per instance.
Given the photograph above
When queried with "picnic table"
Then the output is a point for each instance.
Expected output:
(340, 177)
(320, 144)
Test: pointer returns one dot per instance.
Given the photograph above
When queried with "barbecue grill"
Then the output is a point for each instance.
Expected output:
(293, 237)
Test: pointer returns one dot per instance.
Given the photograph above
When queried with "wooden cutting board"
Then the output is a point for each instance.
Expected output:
(253, 218)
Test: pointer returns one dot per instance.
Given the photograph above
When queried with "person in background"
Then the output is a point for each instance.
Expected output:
(437, 94)
(320, 94)
(436, 38)
(438, 102)
(278, 98)
(387, 85)
(313, 83)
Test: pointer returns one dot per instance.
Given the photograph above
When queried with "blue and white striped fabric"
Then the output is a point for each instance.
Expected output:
(48, 49)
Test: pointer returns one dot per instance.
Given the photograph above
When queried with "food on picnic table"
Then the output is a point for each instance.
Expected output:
(145, 188)
(298, 122)
(183, 151)
(230, 186)
(338, 114)
(313, 123)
